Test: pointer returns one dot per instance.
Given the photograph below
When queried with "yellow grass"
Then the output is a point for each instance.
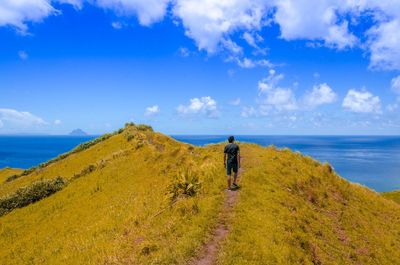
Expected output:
(291, 209)
(294, 210)
(394, 195)
(109, 215)
(8, 172)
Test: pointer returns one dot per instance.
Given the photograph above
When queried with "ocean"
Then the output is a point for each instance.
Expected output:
(373, 161)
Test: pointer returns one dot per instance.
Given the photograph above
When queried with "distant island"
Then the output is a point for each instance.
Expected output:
(78, 132)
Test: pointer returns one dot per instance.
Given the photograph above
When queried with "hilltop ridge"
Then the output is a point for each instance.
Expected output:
(139, 197)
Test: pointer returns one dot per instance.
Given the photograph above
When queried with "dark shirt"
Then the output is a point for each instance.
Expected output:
(232, 151)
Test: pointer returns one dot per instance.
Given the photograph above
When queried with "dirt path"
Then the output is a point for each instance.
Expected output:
(209, 252)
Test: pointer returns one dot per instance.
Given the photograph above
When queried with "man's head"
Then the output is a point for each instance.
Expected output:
(231, 139)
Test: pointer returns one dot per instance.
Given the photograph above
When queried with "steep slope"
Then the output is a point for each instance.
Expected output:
(294, 210)
(139, 197)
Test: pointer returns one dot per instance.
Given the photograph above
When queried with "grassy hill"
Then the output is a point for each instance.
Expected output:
(140, 197)
(7, 172)
(393, 195)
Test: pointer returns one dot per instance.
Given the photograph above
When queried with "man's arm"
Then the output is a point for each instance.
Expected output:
(238, 159)
(225, 159)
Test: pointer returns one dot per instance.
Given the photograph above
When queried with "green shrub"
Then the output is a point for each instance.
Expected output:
(30, 194)
(144, 127)
(89, 144)
(128, 124)
(11, 178)
(185, 184)
(87, 170)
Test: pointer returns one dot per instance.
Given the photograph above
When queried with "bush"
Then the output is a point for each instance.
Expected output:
(128, 124)
(11, 178)
(30, 194)
(144, 127)
(87, 170)
(185, 184)
(89, 144)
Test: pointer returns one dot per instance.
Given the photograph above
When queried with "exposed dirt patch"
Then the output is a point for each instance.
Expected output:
(209, 252)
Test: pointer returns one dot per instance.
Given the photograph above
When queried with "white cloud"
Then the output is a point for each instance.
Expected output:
(232, 46)
(395, 84)
(273, 96)
(250, 63)
(252, 40)
(14, 118)
(184, 52)
(147, 11)
(314, 20)
(116, 25)
(22, 55)
(281, 99)
(204, 105)
(321, 94)
(269, 82)
(384, 45)
(235, 102)
(361, 102)
(152, 110)
(392, 107)
(211, 21)
(76, 3)
(57, 122)
(18, 13)
(248, 112)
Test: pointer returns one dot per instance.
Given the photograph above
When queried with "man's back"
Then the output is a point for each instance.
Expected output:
(232, 150)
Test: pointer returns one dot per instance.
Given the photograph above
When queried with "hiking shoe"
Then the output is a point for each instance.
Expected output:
(235, 185)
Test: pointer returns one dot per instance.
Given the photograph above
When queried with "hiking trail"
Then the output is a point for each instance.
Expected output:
(209, 252)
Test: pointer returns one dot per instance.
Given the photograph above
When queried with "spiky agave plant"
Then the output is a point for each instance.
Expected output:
(185, 184)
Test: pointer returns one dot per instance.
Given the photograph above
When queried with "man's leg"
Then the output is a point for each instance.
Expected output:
(234, 178)
(235, 175)
(229, 181)
(228, 174)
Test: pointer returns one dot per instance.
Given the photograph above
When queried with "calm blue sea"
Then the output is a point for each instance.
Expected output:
(373, 161)
(27, 151)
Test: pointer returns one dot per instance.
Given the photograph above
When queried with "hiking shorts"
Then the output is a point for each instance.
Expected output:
(231, 167)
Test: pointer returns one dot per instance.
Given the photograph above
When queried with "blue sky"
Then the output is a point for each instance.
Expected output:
(200, 67)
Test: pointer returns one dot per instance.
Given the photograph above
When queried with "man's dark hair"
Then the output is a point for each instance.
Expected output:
(231, 139)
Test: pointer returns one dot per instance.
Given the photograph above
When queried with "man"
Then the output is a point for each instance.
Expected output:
(232, 162)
